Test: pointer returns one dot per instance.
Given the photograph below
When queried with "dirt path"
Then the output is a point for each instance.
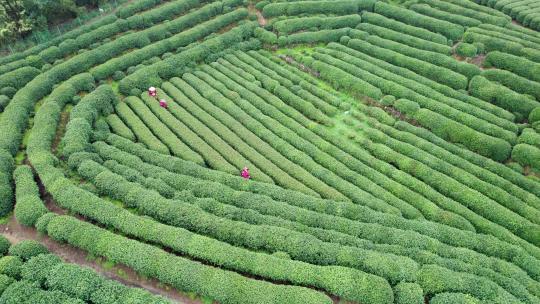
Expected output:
(260, 18)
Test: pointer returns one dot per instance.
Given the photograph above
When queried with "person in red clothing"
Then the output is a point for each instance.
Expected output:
(245, 173)
(152, 92)
(163, 103)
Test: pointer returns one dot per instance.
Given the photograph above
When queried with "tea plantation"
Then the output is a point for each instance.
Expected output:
(235, 151)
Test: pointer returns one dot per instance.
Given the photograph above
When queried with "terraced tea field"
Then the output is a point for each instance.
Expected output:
(343, 151)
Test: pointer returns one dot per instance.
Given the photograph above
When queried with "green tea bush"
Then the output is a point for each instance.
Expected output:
(133, 8)
(434, 280)
(265, 36)
(461, 9)
(404, 28)
(514, 64)
(118, 75)
(454, 298)
(4, 245)
(527, 155)
(501, 96)
(436, 13)
(11, 266)
(516, 83)
(488, 146)
(51, 54)
(402, 56)
(466, 50)
(287, 26)
(324, 36)
(4, 101)
(407, 107)
(27, 248)
(211, 156)
(493, 43)
(388, 100)
(185, 36)
(469, 241)
(79, 128)
(534, 116)
(208, 281)
(6, 191)
(449, 30)
(340, 7)
(153, 74)
(408, 293)
(404, 38)
(111, 184)
(403, 87)
(529, 136)
(19, 77)
(29, 207)
(5, 281)
(341, 80)
(167, 137)
(26, 292)
(118, 127)
(37, 268)
(142, 132)
(8, 91)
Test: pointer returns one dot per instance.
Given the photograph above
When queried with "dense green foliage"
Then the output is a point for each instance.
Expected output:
(466, 50)
(389, 160)
(27, 249)
(29, 205)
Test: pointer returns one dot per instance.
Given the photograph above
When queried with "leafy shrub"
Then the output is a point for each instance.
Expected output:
(6, 191)
(118, 75)
(407, 107)
(4, 101)
(43, 221)
(11, 266)
(19, 77)
(5, 281)
(404, 56)
(340, 7)
(480, 47)
(454, 298)
(488, 146)
(27, 292)
(502, 96)
(403, 38)
(516, 167)
(516, 83)
(27, 249)
(515, 64)
(398, 26)
(292, 25)
(29, 207)
(201, 278)
(265, 36)
(4, 245)
(408, 293)
(79, 128)
(450, 30)
(534, 116)
(433, 12)
(529, 136)
(527, 155)
(8, 91)
(466, 50)
(314, 37)
(388, 100)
